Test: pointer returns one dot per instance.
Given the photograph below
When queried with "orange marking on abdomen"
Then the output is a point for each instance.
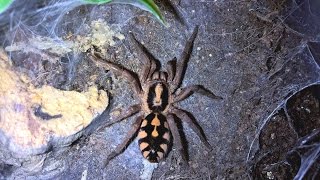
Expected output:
(155, 132)
(146, 153)
(143, 145)
(160, 155)
(166, 136)
(164, 147)
(144, 123)
(155, 121)
(142, 134)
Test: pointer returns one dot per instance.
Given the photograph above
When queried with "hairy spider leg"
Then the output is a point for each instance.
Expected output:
(115, 68)
(150, 64)
(177, 142)
(183, 62)
(171, 69)
(193, 124)
(132, 110)
(189, 90)
(127, 140)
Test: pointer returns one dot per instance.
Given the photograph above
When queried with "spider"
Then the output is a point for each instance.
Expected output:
(155, 125)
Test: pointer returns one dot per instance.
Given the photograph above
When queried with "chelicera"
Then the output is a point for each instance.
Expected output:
(155, 125)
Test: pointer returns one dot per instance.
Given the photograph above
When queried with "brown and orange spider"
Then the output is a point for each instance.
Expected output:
(155, 126)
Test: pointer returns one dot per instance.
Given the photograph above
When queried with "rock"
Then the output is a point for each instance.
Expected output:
(34, 119)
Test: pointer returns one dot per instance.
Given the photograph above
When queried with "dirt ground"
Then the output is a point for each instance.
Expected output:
(262, 57)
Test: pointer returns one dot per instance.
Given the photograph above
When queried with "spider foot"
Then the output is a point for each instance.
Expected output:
(208, 146)
(184, 158)
(109, 158)
(205, 92)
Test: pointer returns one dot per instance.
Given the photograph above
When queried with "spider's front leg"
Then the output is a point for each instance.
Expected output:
(127, 140)
(189, 90)
(177, 12)
(171, 69)
(130, 76)
(183, 63)
(150, 64)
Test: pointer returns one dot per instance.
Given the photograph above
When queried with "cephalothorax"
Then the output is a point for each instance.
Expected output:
(155, 125)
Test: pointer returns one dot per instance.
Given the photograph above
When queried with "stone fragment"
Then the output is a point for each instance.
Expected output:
(34, 119)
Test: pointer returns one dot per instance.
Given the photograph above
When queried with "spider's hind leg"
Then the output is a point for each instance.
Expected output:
(132, 110)
(191, 121)
(128, 139)
(177, 142)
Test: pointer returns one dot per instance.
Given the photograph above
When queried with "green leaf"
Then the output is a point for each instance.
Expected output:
(154, 9)
(97, 1)
(4, 4)
(147, 5)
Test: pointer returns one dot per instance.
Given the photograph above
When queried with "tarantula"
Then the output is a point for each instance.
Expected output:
(155, 126)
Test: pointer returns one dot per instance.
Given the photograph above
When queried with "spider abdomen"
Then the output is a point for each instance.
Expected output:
(154, 137)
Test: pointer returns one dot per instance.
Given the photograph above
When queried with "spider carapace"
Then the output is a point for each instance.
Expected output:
(155, 124)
